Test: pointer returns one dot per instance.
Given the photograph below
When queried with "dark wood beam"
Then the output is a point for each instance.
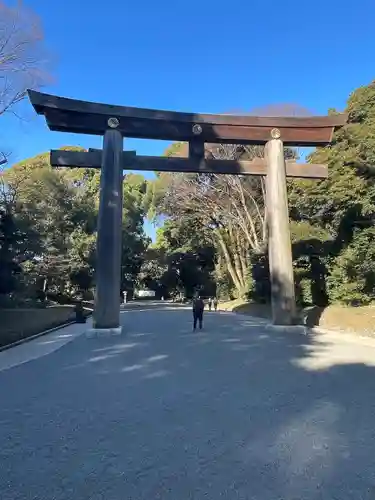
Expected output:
(93, 159)
(82, 159)
(225, 134)
(42, 102)
(71, 115)
(230, 167)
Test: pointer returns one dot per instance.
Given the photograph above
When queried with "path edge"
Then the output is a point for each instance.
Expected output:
(37, 335)
(307, 330)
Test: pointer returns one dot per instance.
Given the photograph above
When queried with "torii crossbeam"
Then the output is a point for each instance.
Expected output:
(117, 122)
(258, 166)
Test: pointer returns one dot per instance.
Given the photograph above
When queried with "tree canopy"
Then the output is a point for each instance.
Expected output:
(48, 228)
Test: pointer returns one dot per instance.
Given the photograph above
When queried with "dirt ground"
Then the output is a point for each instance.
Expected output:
(359, 320)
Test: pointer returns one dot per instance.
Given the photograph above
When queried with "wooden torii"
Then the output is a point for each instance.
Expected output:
(117, 122)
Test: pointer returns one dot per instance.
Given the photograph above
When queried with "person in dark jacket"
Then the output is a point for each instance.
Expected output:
(198, 307)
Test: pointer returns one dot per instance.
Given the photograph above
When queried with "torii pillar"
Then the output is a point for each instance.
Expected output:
(279, 241)
(106, 317)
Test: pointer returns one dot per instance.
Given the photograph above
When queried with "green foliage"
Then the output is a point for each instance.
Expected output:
(343, 206)
(177, 149)
(134, 242)
(63, 214)
(180, 262)
(154, 274)
(310, 248)
(9, 267)
(154, 194)
(48, 228)
(261, 289)
(352, 279)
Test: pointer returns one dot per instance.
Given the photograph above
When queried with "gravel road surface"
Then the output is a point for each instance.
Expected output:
(237, 411)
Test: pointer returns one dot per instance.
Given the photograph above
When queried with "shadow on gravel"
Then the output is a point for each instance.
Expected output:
(237, 408)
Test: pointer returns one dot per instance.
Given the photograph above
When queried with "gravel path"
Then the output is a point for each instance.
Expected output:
(235, 412)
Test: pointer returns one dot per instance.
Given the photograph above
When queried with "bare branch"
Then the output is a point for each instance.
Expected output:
(3, 159)
(23, 59)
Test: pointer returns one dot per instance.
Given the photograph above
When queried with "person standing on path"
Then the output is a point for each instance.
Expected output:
(198, 307)
(215, 303)
(209, 304)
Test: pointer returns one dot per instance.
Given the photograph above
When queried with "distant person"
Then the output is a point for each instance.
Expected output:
(215, 303)
(210, 304)
(80, 313)
(198, 307)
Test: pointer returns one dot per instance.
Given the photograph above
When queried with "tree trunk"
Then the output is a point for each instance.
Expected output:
(243, 253)
(228, 261)
(236, 251)
(239, 270)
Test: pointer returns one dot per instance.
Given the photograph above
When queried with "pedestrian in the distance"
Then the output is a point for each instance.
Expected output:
(198, 307)
(209, 304)
(215, 303)
(80, 312)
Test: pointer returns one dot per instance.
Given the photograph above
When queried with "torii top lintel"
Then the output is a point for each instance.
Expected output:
(71, 115)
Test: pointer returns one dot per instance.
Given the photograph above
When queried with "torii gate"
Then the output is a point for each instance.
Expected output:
(117, 122)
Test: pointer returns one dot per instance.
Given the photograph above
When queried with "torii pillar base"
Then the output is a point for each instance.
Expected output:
(103, 332)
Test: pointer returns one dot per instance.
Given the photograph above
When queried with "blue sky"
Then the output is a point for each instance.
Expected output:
(201, 56)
